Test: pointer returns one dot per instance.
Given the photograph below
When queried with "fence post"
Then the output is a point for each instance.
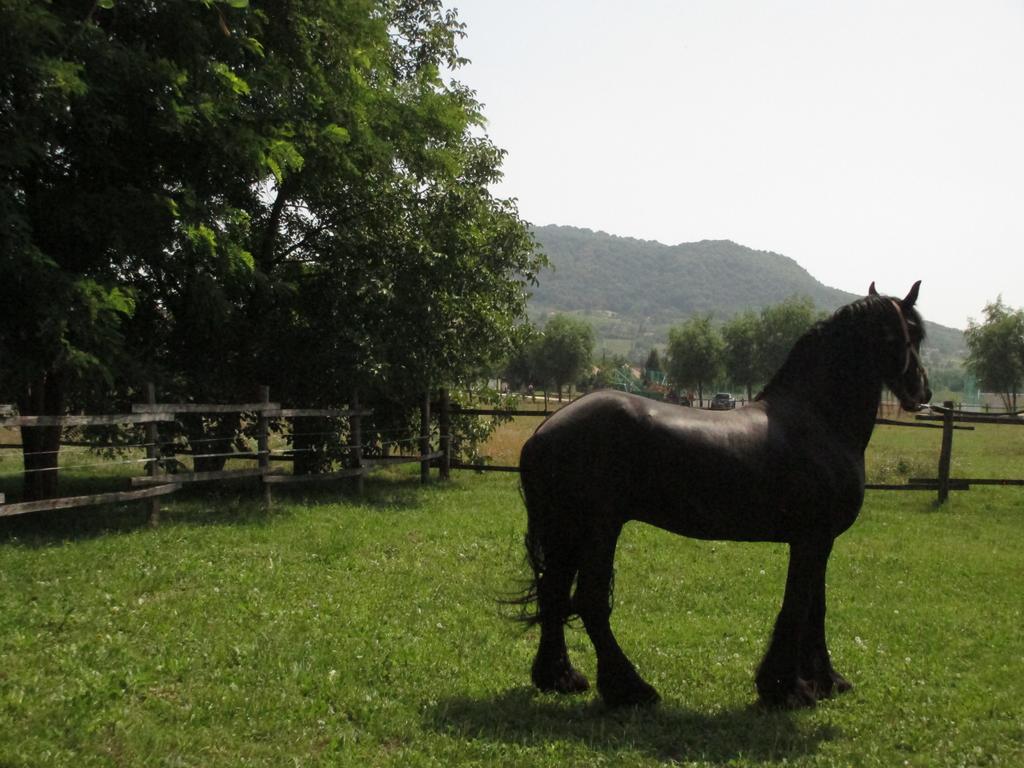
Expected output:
(947, 451)
(425, 437)
(355, 423)
(445, 427)
(263, 444)
(153, 456)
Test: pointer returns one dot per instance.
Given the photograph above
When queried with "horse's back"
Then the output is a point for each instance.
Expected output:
(621, 443)
(613, 419)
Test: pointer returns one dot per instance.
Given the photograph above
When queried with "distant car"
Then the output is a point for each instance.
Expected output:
(722, 401)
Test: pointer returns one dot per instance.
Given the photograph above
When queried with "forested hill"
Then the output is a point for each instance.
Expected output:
(650, 286)
(595, 271)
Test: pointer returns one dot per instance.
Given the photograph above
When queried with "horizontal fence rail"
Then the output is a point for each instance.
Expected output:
(69, 502)
(87, 421)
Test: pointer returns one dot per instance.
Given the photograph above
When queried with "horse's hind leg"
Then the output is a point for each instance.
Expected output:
(552, 541)
(617, 679)
(552, 670)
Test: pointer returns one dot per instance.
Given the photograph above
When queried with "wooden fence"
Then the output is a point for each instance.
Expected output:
(157, 482)
(953, 419)
(950, 418)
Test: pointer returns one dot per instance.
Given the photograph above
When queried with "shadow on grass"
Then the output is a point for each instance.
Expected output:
(226, 503)
(666, 732)
(221, 506)
(381, 492)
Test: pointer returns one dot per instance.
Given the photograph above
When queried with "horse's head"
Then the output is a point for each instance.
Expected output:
(901, 367)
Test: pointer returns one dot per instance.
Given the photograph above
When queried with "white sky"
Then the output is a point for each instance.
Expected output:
(866, 139)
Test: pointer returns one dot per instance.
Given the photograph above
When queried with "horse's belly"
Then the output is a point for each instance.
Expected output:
(752, 505)
(719, 521)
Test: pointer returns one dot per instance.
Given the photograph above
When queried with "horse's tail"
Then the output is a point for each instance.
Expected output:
(529, 600)
(551, 549)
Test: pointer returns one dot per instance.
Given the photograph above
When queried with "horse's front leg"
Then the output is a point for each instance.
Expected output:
(779, 678)
(816, 663)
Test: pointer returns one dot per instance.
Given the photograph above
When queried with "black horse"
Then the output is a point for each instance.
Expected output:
(789, 468)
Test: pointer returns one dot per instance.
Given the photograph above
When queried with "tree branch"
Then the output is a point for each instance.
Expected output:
(265, 256)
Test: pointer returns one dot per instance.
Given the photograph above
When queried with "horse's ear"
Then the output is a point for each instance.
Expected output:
(911, 298)
(871, 289)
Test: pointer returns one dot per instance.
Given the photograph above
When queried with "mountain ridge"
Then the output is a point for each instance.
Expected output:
(634, 289)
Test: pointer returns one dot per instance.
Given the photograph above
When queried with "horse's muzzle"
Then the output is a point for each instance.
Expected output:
(916, 401)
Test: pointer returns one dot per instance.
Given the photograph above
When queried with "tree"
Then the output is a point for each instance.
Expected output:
(246, 195)
(996, 350)
(653, 361)
(607, 375)
(740, 352)
(565, 350)
(781, 325)
(695, 354)
(100, 182)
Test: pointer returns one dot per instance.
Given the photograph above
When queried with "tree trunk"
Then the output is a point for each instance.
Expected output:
(41, 445)
(265, 253)
(209, 442)
(309, 442)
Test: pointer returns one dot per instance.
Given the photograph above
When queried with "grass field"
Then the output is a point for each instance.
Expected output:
(334, 631)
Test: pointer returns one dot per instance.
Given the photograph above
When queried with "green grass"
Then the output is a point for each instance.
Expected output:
(987, 451)
(342, 632)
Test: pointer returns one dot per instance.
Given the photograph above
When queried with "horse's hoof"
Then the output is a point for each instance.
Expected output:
(827, 685)
(571, 681)
(800, 694)
(842, 685)
(565, 680)
(803, 695)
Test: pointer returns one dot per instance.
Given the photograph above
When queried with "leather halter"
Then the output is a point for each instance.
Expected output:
(909, 348)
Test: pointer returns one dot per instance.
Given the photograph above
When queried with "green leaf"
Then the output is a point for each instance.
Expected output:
(283, 157)
(335, 133)
(172, 207)
(238, 85)
(240, 260)
(253, 45)
(202, 238)
(121, 301)
(64, 76)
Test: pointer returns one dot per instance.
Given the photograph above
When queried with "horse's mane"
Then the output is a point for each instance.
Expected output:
(838, 339)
